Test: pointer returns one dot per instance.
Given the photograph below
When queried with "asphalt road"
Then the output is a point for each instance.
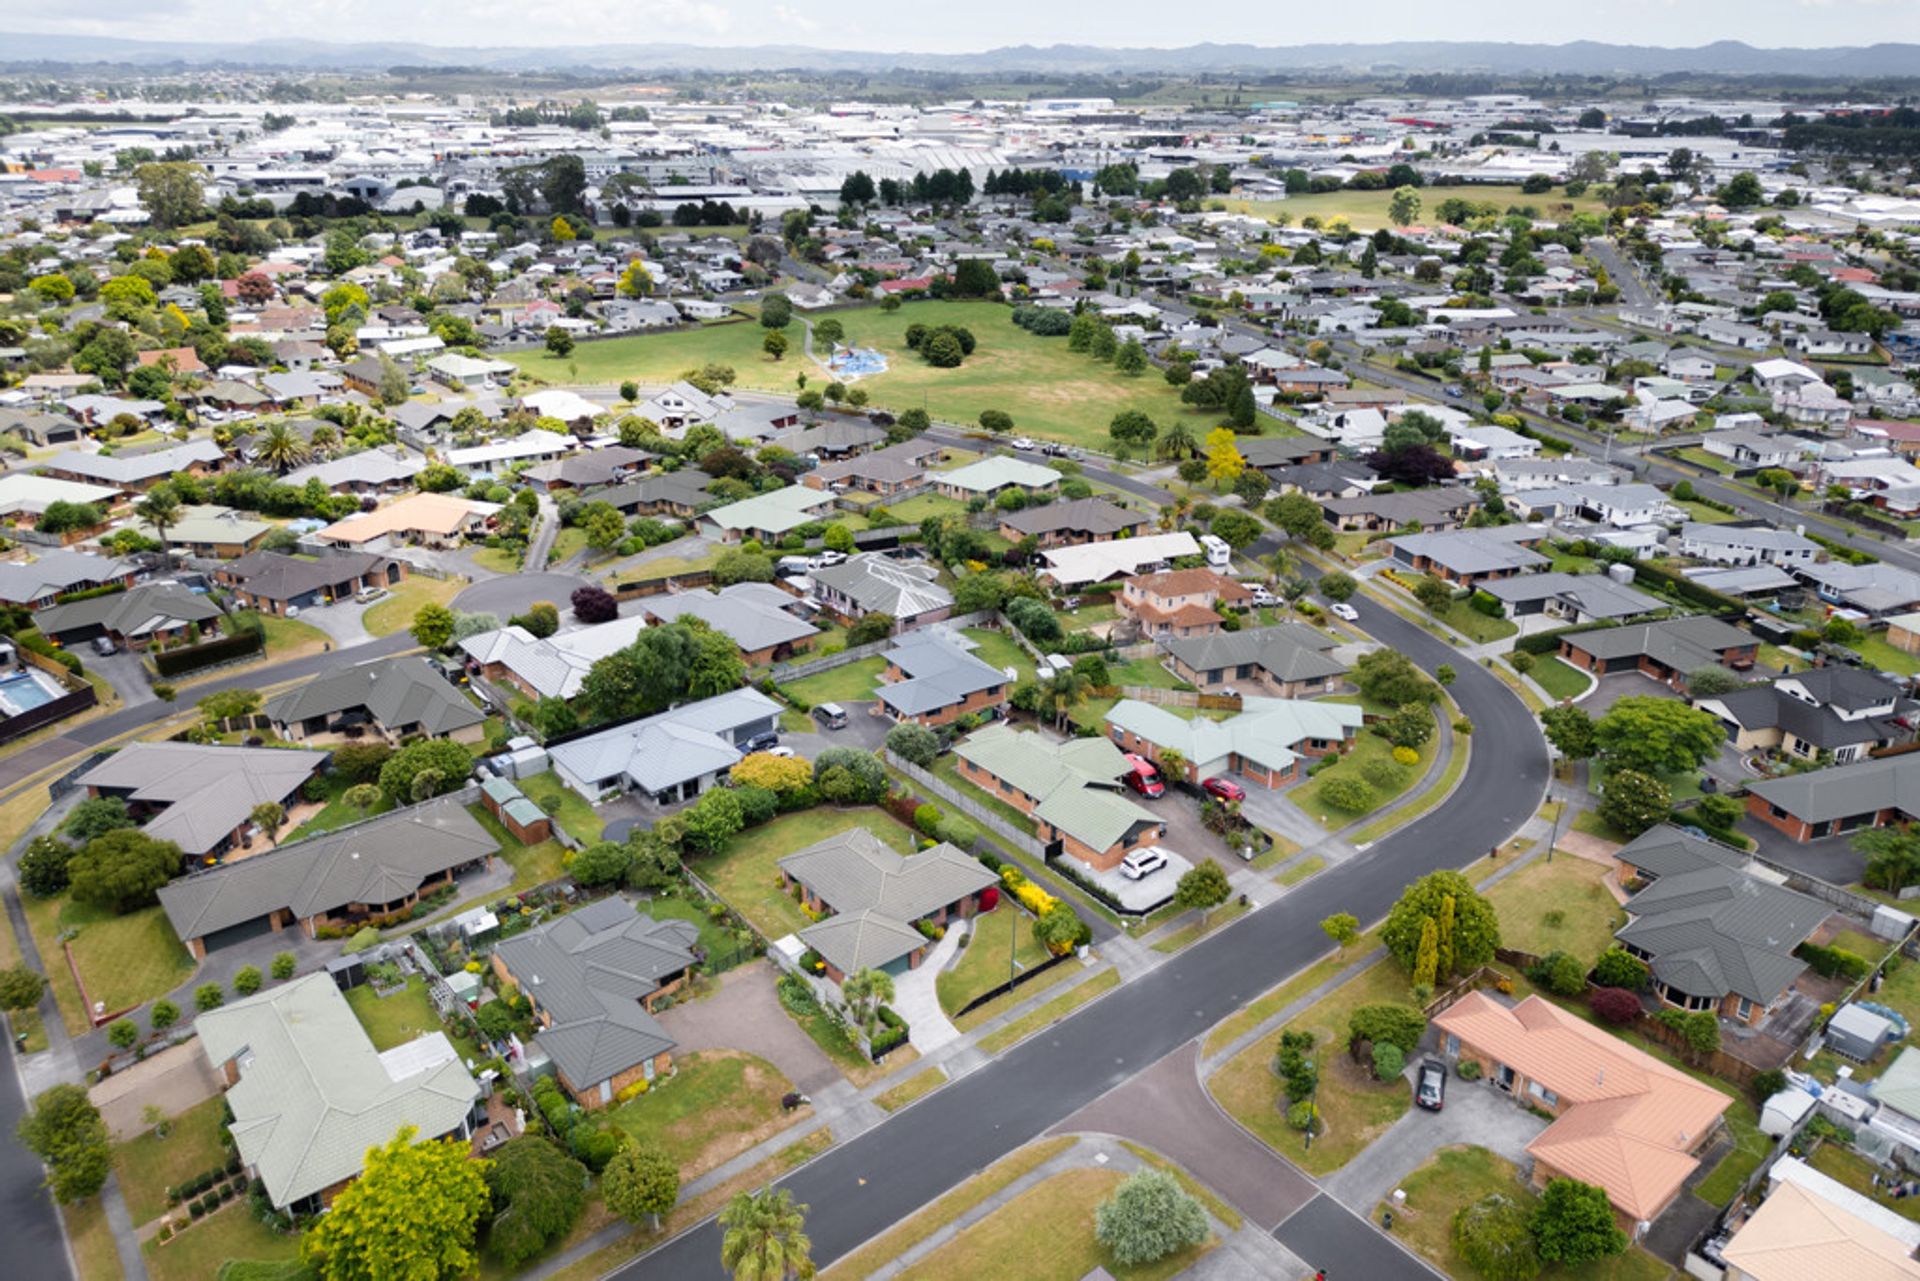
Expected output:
(864, 1186)
(36, 1242)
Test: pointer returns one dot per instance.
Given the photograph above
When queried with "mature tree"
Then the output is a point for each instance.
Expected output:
(1711, 681)
(1434, 594)
(765, 1237)
(774, 344)
(594, 604)
(450, 762)
(537, 1192)
(913, 742)
(1386, 1023)
(1631, 802)
(1224, 459)
(1574, 1224)
(65, 1131)
(640, 1182)
(1570, 730)
(602, 863)
(1202, 888)
(1742, 191)
(1338, 586)
(43, 867)
(1387, 676)
(1132, 429)
(433, 625)
(1893, 856)
(1657, 735)
(122, 870)
(1148, 1217)
(160, 509)
(361, 798)
(1493, 1237)
(281, 448)
(1476, 928)
(170, 192)
(1342, 927)
(21, 988)
(96, 816)
(410, 1216)
(778, 774)
(1404, 207)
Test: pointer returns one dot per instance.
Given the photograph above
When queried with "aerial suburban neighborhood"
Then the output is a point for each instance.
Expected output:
(740, 654)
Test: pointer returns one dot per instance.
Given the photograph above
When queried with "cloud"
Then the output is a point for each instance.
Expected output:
(789, 16)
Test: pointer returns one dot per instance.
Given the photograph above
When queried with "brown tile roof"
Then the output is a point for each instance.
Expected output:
(1188, 582)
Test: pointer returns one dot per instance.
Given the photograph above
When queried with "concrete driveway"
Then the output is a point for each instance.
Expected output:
(1476, 1114)
(863, 729)
(125, 672)
(341, 620)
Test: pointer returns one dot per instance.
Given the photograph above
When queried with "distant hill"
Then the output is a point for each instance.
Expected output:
(1726, 57)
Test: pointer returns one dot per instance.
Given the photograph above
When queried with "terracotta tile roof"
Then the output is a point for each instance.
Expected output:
(1630, 1123)
(1189, 582)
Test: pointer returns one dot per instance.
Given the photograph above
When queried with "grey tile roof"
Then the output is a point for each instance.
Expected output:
(1681, 643)
(314, 1094)
(553, 666)
(1594, 595)
(753, 614)
(398, 693)
(126, 469)
(55, 571)
(1844, 791)
(685, 488)
(877, 893)
(379, 861)
(663, 751)
(1287, 652)
(589, 971)
(1468, 551)
(1094, 516)
(941, 671)
(138, 611)
(880, 585)
(277, 576)
(1772, 706)
(207, 791)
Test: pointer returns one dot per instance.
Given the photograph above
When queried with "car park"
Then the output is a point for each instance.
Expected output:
(1223, 789)
(1430, 1088)
(1141, 864)
(1143, 778)
(1340, 609)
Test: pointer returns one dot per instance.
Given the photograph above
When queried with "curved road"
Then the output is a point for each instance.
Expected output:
(864, 1186)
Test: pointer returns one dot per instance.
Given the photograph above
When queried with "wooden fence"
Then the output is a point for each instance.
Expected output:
(976, 810)
(1181, 698)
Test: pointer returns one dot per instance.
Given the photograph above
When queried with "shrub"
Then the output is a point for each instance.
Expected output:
(209, 996)
(1833, 962)
(1492, 1236)
(1559, 973)
(1616, 968)
(1406, 756)
(1389, 1060)
(1304, 1116)
(1468, 1070)
(1148, 1217)
(1616, 1005)
(1387, 1022)
(1768, 1083)
(247, 981)
(1299, 1073)
(1385, 775)
(283, 966)
(1349, 795)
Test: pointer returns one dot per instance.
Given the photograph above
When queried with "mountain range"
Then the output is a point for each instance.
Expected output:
(1726, 57)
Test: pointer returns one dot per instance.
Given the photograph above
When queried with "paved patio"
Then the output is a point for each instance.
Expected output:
(1145, 894)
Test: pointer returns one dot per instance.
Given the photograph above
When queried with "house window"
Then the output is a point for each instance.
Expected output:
(1745, 1009)
(1542, 1093)
(1453, 1046)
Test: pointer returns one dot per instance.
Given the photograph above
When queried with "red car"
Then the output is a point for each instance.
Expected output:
(1224, 789)
(1143, 778)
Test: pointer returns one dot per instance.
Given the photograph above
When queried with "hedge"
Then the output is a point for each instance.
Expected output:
(1833, 962)
(892, 1031)
(223, 649)
(1687, 590)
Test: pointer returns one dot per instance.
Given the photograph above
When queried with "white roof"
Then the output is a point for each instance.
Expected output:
(1097, 562)
(556, 665)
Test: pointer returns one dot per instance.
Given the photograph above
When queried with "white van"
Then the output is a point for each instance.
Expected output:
(1219, 555)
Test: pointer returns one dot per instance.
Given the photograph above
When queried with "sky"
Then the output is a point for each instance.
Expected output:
(913, 25)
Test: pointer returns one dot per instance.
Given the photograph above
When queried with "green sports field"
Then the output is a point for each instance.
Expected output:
(1367, 210)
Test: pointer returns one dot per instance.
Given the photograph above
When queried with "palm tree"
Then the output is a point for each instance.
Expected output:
(160, 509)
(1175, 442)
(766, 1238)
(281, 448)
(866, 991)
(1063, 691)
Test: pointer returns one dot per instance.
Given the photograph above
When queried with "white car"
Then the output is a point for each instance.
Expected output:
(1261, 596)
(1021, 442)
(1141, 864)
(781, 752)
(1340, 609)
(827, 560)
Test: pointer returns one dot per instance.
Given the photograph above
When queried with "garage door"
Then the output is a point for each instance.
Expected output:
(239, 933)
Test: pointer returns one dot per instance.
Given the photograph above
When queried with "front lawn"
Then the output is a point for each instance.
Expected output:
(1145, 671)
(1457, 1177)
(716, 1105)
(291, 638)
(395, 613)
(1049, 1229)
(1562, 905)
(1474, 625)
(230, 1235)
(1355, 1110)
(148, 1166)
(564, 805)
(402, 1017)
(747, 874)
(124, 961)
(849, 683)
(1367, 748)
(1560, 679)
(997, 943)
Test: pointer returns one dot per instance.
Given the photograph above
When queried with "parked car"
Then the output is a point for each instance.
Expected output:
(1340, 609)
(1261, 596)
(1141, 864)
(795, 564)
(103, 645)
(1143, 778)
(1021, 442)
(761, 743)
(1224, 789)
(783, 752)
(827, 560)
(832, 715)
(371, 595)
(1430, 1090)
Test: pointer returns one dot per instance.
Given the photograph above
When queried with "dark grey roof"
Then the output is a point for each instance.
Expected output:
(941, 671)
(754, 615)
(1681, 643)
(877, 894)
(1428, 506)
(684, 488)
(592, 467)
(398, 693)
(1771, 706)
(138, 611)
(56, 570)
(277, 576)
(1287, 652)
(1595, 595)
(378, 861)
(1713, 928)
(589, 971)
(203, 792)
(1281, 451)
(1844, 791)
(1094, 516)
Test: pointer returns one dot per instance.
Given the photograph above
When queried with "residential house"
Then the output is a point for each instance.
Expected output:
(469, 373)
(1572, 598)
(39, 427)
(550, 666)
(933, 677)
(874, 898)
(310, 1095)
(595, 977)
(754, 615)
(1842, 711)
(771, 516)
(1753, 543)
(388, 469)
(682, 406)
(1664, 651)
(1071, 790)
(1811, 1225)
(429, 520)
(1717, 933)
(1178, 603)
(150, 614)
(53, 573)
(1876, 590)
(395, 699)
(535, 445)
(1070, 523)
(201, 798)
(1438, 508)
(887, 472)
(609, 466)
(133, 473)
(1623, 1120)
(1289, 660)
(678, 494)
(1748, 449)
(1470, 557)
(273, 582)
(1086, 563)
(672, 756)
(209, 530)
(992, 476)
(871, 583)
(1269, 742)
(1839, 799)
(337, 879)
(24, 497)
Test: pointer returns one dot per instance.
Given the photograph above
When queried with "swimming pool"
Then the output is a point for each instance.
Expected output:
(24, 691)
(856, 362)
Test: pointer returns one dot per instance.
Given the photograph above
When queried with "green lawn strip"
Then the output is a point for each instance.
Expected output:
(1368, 210)
(1474, 625)
(801, 1151)
(795, 721)
(747, 874)
(564, 805)
(1457, 1177)
(850, 683)
(1450, 773)
(715, 1105)
(149, 1165)
(289, 637)
(499, 560)
(229, 1234)
(999, 1005)
(1357, 1110)
(914, 1087)
(1713, 462)
(1874, 648)
(923, 507)
(124, 960)
(1192, 933)
(1559, 679)
(1590, 823)
(1050, 1013)
(1279, 852)
(1088, 616)
(997, 943)
(1367, 748)
(1702, 513)
(567, 542)
(877, 1253)
(1217, 1207)
(91, 1238)
(395, 613)
(336, 813)
(403, 1017)
(1562, 905)
(1300, 871)
(1276, 999)
(532, 864)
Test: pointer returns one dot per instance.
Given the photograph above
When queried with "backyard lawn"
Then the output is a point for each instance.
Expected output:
(919, 508)
(1367, 748)
(564, 805)
(1145, 671)
(1457, 1177)
(148, 1166)
(715, 938)
(1560, 680)
(717, 1104)
(996, 942)
(532, 864)
(124, 960)
(1049, 1229)
(850, 683)
(336, 812)
(1878, 653)
(1048, 390)
(997, 649)
(402, 1017)
(1354, 1109)
(230, 1234)
(1849, 1167)
(747, 874)
(1562, 905)
(395, 613)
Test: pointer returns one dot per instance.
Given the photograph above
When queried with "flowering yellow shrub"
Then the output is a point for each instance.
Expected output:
(1406, 756)
(1031, 896)
(634, 1091)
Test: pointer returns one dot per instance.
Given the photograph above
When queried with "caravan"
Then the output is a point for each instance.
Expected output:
(1219, 555)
